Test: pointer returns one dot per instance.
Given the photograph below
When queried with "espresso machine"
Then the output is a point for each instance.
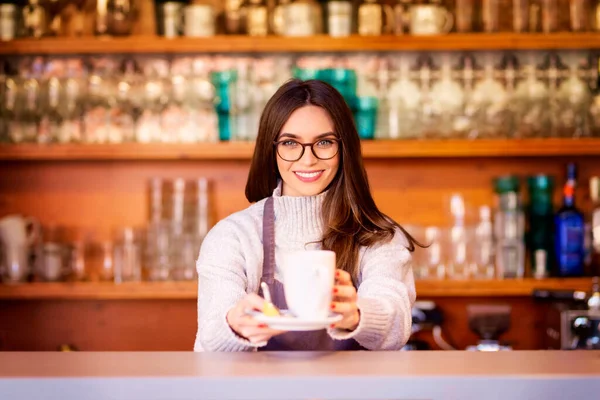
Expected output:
(573, 319)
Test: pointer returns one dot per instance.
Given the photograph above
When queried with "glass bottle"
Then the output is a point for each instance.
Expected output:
(509, 229)
(447, 99)
(569, 230)
(97, 108)
(491, 102)
(224, 82)
(28, 112)
(483, 263)
(7, 108)
(404, 101)
(51, 120)
(71, 107)
(531, 103)
(457, 267)
(540, 215)
(572, 104)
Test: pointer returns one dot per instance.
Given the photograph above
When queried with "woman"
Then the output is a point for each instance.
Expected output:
(310, 191)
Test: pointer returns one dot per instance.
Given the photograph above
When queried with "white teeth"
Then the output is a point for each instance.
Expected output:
(308, 174)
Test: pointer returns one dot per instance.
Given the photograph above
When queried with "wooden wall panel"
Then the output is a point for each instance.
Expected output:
(170, 325)
(132, 325)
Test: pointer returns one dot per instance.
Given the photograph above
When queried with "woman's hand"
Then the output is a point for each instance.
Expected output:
(246, 326)
(344, 301)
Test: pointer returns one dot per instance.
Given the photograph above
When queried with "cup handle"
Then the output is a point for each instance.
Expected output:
(34, 230)
(389, 19)
(449, 21)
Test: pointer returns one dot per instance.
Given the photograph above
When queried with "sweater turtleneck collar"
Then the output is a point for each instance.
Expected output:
(297, 218)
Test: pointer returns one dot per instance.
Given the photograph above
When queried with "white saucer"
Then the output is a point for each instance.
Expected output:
(288, 322)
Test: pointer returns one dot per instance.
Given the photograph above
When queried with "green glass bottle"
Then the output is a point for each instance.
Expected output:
(540, 215)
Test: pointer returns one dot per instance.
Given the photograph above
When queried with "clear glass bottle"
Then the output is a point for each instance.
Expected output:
(531, 102)
(509, 229)
(27, 112)
(51, 120)
(483, 247)
(404, 101)
(458, 262)
(594, 110)
(7, 108)
(71, 108)
(447, 99)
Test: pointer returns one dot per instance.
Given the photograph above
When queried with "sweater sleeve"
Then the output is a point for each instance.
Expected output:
(222, 282)
(386, 294)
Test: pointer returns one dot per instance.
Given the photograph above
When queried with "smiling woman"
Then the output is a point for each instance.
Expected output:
(307, 173)
(310, 192)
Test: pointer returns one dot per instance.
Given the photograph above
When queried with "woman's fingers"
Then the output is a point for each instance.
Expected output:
(255, 331)
(344, 292)
(342, 277)
(343, 307)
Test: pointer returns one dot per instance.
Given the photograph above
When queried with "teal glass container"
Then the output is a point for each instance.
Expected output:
(305, 74)
(344, 80)
(365, 116)
(224, 82)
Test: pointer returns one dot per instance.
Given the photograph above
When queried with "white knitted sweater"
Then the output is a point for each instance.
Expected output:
(230, 265)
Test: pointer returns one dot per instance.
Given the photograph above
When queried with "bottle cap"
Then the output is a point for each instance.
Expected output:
(508, 183)
(540, 182)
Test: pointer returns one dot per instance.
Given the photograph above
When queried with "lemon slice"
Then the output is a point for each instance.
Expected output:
(270, 310)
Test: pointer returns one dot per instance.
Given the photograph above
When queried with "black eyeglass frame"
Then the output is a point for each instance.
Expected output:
(304, 145)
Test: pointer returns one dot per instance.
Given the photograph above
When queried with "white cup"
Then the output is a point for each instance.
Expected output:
(430, 20)
(308, 279)
(16, 230)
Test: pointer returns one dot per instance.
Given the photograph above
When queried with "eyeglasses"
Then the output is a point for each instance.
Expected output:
(292, 150)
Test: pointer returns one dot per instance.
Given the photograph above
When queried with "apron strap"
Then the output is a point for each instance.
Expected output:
(268, 275)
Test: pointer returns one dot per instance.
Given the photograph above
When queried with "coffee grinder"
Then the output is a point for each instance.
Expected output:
(489, 322)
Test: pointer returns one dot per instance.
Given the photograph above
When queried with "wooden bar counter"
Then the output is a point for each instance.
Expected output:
(548, 375)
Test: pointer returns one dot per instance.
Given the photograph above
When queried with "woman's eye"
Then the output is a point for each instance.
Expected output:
(325, 143)
(289, 143)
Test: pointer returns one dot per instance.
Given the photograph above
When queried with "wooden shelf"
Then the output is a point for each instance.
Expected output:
(188, 290)
(381, 149)
(128, 151)
(234, 44)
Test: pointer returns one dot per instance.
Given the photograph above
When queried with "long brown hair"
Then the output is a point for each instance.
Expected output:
(350, 216)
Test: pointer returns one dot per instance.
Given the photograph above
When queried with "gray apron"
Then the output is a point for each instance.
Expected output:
(305, 341)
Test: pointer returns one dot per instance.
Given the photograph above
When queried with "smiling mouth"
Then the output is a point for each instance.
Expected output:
(308, 176)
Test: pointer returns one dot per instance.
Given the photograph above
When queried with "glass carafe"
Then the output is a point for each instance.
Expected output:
(531, 104)
(405, 101)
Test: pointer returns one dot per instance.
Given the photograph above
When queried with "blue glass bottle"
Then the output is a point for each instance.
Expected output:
(569, 231)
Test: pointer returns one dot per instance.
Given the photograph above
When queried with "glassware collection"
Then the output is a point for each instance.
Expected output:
(165, 248)
(522, 235)
(195, 99)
